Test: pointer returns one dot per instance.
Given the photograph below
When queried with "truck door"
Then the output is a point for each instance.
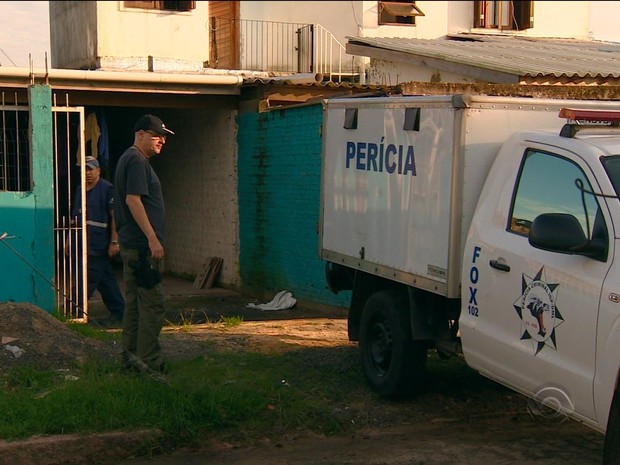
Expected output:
(529, 319)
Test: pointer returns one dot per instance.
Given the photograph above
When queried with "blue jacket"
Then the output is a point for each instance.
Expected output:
(99, 207)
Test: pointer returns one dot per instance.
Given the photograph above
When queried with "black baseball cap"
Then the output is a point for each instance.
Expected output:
(153, 124)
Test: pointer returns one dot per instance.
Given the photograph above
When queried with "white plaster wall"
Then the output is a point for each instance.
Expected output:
(433, 24)
(460, 16)
(578, 20)
(560, 19)
(358, 18)
(82, 32)
(165, 35)
(563, 19)
(341, 18)
(198, 173)
(568, 19)
(86, 34)
(604, 18)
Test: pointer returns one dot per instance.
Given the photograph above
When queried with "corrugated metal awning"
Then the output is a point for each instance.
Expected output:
(502, 59)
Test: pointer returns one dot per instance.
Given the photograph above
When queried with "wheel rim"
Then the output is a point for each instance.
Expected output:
(380, 347)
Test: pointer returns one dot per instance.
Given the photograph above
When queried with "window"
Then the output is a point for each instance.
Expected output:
(504, 15)
(350, 118)
(172, 6)
(398, 12)
(547, 184)
(15, 163)
(612, 167)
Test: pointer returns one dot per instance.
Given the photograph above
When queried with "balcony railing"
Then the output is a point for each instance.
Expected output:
(279, 49)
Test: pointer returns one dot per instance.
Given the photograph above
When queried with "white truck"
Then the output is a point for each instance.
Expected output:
(481, 226)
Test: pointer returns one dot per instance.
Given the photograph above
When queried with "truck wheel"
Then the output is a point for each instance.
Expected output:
(390, 358)
(611, 454)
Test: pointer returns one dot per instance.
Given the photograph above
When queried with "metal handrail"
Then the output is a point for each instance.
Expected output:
(278, 48)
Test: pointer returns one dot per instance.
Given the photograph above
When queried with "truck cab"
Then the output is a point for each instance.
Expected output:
(541, 296)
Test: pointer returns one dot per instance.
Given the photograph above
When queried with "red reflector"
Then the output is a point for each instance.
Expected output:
(590, 115)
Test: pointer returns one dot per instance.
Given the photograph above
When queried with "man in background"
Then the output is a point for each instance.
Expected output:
(102, 242)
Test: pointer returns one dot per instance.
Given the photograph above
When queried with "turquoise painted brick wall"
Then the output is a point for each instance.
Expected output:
(279, 170)
(27, 217)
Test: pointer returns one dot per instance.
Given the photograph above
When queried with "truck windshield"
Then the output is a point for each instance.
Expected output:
(612, 167)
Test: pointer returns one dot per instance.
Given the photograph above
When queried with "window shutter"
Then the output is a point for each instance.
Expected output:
(398, 12)
(144, 5)
(402, 9)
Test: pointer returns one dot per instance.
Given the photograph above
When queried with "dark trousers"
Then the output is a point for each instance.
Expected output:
(144, 313)
(100, 277)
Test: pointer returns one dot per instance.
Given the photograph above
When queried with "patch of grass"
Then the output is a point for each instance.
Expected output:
(187, 318)
(240, 396)
(87, 330)
(230, 321)
(94, 332)
(244, 395)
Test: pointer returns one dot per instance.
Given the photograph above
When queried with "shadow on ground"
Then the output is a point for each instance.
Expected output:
(189, 305)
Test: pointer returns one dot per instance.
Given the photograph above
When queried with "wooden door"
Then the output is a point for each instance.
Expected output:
(224, 35)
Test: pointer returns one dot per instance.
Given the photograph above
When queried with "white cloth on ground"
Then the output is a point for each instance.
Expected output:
(282, 301)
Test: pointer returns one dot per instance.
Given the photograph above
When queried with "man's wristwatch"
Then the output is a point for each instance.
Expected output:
(114, 243)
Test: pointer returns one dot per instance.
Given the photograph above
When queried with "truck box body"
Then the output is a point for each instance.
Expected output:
(402, 176)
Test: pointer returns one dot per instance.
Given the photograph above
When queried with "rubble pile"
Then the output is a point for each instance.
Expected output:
(31, 336)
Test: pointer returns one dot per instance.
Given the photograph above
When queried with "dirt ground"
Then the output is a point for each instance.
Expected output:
(446, 424)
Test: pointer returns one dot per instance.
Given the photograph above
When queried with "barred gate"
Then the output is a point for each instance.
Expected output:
(71, 258)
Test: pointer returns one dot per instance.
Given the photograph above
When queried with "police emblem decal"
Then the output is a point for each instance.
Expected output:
(537, 311)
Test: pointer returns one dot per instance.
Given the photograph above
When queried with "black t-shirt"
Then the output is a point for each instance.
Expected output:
(135, 176)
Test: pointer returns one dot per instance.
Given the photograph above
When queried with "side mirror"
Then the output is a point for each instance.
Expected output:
(562, 233)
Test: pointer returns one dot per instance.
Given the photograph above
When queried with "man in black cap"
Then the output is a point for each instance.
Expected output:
(141, 220)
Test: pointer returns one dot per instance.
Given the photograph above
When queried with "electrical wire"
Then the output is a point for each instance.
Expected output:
(6, 55)
(3, 238)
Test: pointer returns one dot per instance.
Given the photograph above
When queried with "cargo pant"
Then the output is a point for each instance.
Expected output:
(144, 314)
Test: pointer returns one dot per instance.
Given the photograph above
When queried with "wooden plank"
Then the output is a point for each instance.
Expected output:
(208, 274)
(201, 277)
(214, 268)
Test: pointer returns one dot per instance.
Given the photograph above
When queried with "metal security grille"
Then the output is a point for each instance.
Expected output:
(15, 162)
(71, 257)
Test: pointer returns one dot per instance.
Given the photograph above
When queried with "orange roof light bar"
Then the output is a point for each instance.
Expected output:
(590, 115)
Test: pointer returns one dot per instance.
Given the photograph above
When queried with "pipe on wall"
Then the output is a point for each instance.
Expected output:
(22, 77)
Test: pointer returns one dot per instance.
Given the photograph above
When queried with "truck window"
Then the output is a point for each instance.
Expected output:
(547, 184)
(612, 167)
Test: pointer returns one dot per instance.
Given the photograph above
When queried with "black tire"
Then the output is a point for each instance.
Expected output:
(611, 454)
(390, 359)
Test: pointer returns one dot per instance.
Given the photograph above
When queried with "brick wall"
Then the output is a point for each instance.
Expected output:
(279, 198)
(198, 171)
